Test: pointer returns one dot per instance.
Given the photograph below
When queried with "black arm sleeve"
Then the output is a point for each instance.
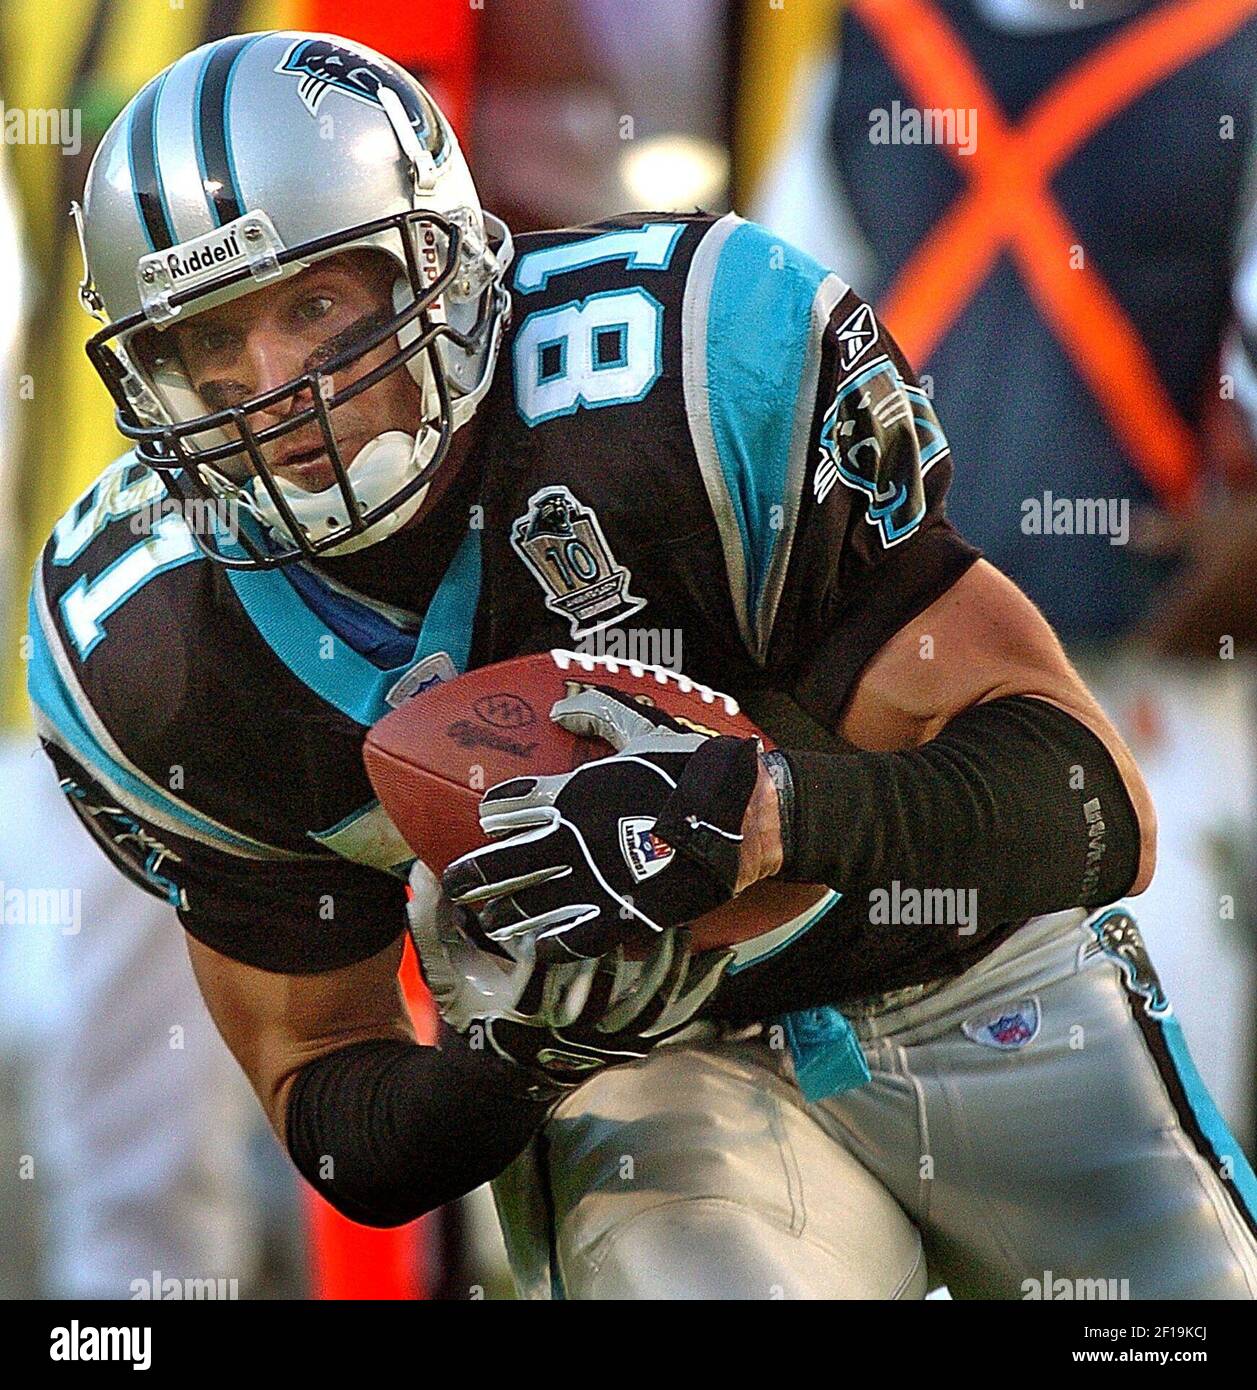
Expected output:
(1015, 809)
(1014, 799)
(387, 1130)
(940, 852)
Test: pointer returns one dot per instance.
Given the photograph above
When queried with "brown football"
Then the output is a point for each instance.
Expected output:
(431, 760)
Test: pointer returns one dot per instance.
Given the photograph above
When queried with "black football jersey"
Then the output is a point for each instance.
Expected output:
(699, 446)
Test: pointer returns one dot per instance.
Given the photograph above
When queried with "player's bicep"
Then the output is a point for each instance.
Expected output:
(276, 1024)
(982, 640)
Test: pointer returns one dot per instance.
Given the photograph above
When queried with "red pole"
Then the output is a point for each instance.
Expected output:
(437, 42)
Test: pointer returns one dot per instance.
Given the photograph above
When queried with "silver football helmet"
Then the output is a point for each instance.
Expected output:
(247, 161)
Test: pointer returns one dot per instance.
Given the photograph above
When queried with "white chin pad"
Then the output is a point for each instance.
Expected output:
(381, 470)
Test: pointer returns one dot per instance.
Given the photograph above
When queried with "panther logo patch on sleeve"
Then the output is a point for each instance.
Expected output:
(880, 437)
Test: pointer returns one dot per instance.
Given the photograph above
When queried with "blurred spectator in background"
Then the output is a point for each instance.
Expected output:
(1054, 207)
(591, 108)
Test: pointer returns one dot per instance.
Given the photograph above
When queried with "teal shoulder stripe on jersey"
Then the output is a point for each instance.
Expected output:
(759, 325)
(50, 697)
(448, 622)
(1224, 1145)
(328, 665)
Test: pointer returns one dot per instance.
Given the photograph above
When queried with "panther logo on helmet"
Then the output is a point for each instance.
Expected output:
(321, 64)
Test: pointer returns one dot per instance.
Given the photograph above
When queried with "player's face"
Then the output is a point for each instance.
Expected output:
(264, 339)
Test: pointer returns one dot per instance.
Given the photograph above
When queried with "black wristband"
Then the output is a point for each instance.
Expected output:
(1015, 802)
(386, 1130)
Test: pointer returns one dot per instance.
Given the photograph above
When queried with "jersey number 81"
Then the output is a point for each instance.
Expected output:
(605, 349)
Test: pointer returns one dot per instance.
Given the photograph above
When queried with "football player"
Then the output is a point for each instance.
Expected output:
(374, 445)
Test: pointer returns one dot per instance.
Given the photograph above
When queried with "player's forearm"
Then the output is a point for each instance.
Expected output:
(387, 1130)
(1014, 800)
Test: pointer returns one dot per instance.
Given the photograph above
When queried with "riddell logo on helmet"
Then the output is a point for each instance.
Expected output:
(430, 256)
(203, 257)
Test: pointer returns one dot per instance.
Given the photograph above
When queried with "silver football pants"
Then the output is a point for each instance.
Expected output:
(1033, 1128)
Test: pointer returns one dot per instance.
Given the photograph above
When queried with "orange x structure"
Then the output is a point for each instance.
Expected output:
(1009, 206)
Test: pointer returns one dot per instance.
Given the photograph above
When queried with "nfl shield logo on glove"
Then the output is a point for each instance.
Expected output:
(644, 852)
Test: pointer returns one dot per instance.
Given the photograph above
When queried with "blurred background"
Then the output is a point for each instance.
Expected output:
(1053, 205)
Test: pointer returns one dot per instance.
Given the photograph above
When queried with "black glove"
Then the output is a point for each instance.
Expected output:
(618, 850)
